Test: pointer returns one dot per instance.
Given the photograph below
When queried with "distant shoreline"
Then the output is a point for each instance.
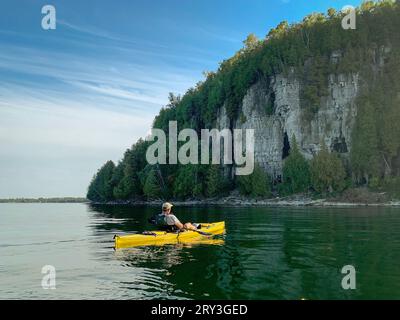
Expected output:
(226, 202)
(45, 200)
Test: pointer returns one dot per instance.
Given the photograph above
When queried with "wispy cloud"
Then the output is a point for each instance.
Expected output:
(121, 80)
(52, 148)
(182, 52)
(104, 34)
(119, 92)
(31, 122)
(53, 143)
(64, 113)
(72, 99)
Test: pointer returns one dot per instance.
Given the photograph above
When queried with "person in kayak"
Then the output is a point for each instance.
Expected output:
(169, 221)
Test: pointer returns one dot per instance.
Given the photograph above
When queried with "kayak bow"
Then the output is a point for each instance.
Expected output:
(163, 237)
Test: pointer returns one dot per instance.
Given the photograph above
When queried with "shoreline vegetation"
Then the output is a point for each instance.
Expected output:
(356, 197)
(360, 197)
(252, 202)
(45, 200)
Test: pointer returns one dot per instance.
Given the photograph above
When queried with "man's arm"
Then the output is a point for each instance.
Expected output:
(178, 224)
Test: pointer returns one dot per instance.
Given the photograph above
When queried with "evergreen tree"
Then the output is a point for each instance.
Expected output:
(118, 176)
(101, 187)
(364, 152)
(327, 172)
(186, 183)
(214, 181)
(296, 170)
(388, 102)
(257, 184)
(151, 188)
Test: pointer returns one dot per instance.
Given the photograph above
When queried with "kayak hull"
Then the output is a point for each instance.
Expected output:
(163, 237)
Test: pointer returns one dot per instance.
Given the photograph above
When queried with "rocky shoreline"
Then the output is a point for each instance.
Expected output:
(245, 202)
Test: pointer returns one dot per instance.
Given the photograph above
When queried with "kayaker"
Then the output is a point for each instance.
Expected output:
(169, 221)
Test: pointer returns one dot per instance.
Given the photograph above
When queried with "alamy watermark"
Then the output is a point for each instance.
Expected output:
(349, 20)
(188, 153)
(49, 21)
(349, 280)
(49, 278)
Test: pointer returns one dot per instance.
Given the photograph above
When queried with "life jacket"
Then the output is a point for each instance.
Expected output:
(158, 220)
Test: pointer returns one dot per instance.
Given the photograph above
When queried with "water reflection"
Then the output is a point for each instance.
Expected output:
(267, 253)
(167, 254)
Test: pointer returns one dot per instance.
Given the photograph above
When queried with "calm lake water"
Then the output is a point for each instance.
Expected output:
(267, 253)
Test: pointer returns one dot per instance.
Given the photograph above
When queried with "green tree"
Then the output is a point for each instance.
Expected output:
(117, 178)
(367, 6)
(364, 152)
(151, 188)
(315, 85)
(331, 12)
(174, 100)
(214, 181)
(186, 183)
(257, 184)
(279, 30)
(126, 179)
(251, 41)
(327, 171)
(387, 103)
(102, 185)
(296, 170)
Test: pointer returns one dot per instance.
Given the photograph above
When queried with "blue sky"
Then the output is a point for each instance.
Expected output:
(74, 97)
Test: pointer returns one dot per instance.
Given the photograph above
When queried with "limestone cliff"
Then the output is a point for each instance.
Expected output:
(332, 123)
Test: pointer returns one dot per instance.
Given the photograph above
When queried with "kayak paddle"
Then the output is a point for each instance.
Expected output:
(203, 233)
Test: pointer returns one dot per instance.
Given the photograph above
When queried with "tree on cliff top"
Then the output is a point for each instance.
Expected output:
(251, 42)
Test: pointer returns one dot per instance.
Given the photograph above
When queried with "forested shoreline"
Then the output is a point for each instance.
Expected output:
(374, 161)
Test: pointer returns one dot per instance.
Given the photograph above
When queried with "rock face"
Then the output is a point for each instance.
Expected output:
(272, 107)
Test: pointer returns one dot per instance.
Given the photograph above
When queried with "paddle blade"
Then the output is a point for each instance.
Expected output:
(203, 233)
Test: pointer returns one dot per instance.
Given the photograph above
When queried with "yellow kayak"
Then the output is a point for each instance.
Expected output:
(163, 237)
